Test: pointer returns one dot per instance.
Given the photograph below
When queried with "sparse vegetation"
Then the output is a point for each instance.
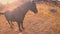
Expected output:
(44, 22)
(1, 7)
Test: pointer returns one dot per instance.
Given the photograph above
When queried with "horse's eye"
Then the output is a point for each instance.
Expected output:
(53, 10)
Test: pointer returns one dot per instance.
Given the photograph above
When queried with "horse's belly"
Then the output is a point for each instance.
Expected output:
(18, 17)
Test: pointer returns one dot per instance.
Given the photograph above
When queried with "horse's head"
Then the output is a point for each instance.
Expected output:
(33, 7)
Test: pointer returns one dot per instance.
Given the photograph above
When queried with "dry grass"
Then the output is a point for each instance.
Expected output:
(44, 22)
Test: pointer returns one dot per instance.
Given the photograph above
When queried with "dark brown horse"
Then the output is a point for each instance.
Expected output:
(18, 14)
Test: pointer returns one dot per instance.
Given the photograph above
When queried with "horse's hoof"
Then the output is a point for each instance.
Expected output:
(20, 30)
(23, 28)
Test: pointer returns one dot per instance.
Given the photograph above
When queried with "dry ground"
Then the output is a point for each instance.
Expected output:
(44, 22)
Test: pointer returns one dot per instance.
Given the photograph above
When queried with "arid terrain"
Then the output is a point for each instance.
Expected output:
(44, 22)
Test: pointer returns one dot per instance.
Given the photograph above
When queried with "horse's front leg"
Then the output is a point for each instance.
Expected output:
(20, 30)
(22, 25)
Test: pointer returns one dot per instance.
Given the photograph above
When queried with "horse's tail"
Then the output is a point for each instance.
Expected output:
(2, 13)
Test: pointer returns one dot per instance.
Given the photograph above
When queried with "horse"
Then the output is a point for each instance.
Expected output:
(18, 14)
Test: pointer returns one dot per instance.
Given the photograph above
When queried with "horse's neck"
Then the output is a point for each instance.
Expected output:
(23, 9)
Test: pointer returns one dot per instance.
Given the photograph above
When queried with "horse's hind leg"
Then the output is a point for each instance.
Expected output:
(10, 23)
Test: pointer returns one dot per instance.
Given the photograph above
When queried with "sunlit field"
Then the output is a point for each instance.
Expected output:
(44, 22)
(7, 1)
